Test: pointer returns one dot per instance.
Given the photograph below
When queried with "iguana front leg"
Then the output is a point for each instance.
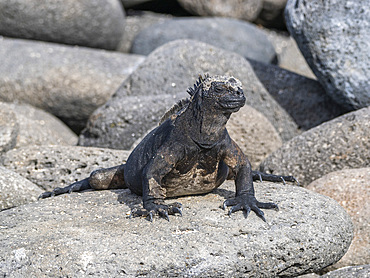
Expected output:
(244, 196)
(153, 191)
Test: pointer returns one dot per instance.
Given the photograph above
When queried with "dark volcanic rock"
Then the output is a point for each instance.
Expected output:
(89, 234)
(16, 190)
(171, 69)
(230, 34)
(350, 188)
(69, 82)
(334, 37)
(9, 129)
(246, 10)
(59, 166)
(303, 98)
(37, 127)
(338, 144)
(93, 23)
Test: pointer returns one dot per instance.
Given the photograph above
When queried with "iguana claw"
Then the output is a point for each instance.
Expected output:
(162, 210)
(247, 203)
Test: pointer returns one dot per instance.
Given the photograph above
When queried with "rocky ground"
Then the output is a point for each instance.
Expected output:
(81, 82)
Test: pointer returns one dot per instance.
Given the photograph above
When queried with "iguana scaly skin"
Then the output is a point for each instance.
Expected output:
(189, 153)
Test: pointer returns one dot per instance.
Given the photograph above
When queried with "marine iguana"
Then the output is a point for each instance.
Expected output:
(189, 153)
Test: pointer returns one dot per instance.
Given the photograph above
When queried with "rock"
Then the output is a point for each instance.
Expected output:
(247, 10)
(120, 128)
(254, 134)
(341, 143)
(69, 82)
(271, 14)
(130, 3)
(135, 22)
(16, 190)
(230, 34)
(350, 188)
(37, 127)
(9, 129)
(304, 99)
(92, 230)
(171, 69)
(361, 271)
(334, 37)
(92, 23)
(289, 55)
(58, 166)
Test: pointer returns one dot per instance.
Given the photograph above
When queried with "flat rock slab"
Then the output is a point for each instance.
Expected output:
(230, 34)
(92, 23)
(69, 82)
(341, 143)
(89, 233)
(334, 37)
(16, 190)
(59, 166)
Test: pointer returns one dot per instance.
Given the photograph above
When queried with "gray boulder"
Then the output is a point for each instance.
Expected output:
(303, 98)
(89, 234)
(16, 190)
(254, 134)
(9, 129)
(350, 188)
(360, 271)
(135, 23)
(69, 82)
(341, 143)
(171, 69)
(246, 10)
(334, 37)
(92, 23)
(37, 127)
(230, 34)
(59, 166)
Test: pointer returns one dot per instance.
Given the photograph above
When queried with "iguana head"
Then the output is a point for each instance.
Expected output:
(222, 93)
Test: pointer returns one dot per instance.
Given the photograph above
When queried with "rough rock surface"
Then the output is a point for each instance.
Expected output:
(254, 134)
(37, 127)
(230, 34)
(9, 129)
(69, 82)
(338, 144)
(351, 189)
(16, 190)
(246, 10)
(171, 69)
(361, 271)
(304, 99)
(93, 23)
(334, 37)
(92, 230)
(135, 22)
(59, 166)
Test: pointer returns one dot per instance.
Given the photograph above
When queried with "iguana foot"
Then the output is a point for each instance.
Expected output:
(274, 178)
(158, 208)
(77, 186)
(247, 203)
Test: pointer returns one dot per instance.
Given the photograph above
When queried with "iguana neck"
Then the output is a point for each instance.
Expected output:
(206, 127)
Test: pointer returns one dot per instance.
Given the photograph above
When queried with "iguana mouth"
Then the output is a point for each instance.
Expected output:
(232, 104)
